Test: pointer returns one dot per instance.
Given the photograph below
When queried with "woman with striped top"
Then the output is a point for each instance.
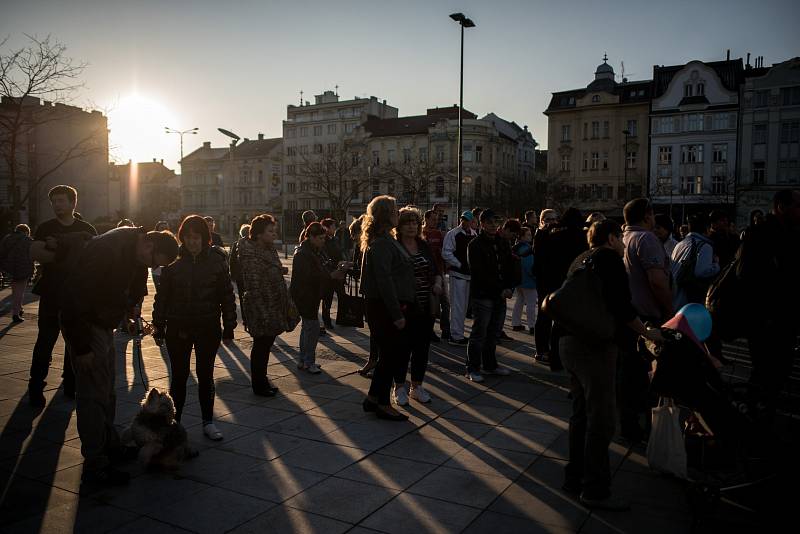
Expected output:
(427, 280)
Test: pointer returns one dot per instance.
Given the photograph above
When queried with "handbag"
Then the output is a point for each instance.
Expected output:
(350, 307)
(579, 307)
(666, 451)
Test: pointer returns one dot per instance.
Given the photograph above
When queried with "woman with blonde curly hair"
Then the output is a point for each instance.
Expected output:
(387, 282)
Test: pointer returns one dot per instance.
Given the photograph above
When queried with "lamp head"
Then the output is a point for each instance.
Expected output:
(458, 17)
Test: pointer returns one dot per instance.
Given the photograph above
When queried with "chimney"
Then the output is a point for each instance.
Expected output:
(154, 160)
(162, 161)
(261, 137)
(728, 56)
(747, 63)
(206, 144)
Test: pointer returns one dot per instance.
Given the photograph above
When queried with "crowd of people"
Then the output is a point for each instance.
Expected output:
(411, 270)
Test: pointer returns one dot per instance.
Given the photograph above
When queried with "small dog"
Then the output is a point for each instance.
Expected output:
(162, 440)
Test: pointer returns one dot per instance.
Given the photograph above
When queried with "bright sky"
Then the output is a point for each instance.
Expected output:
(236, 65)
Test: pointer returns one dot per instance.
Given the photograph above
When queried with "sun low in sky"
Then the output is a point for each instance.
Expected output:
(136, 123)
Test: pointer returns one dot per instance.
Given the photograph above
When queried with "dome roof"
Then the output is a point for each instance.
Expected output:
(604, 70)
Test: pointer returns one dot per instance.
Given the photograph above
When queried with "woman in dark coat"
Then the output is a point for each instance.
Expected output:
(310, 276)
(265, 298)
(16, 261)
(195, 290)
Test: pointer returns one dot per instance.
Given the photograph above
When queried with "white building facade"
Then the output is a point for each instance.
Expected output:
(693, 136)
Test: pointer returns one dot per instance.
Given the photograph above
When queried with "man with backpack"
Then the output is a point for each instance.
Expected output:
(694, 264)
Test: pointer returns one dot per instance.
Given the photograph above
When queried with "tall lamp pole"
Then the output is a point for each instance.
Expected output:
(627, 134)
(181, 133)
(464, 22)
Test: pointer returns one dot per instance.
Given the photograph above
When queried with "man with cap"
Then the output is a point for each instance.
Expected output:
(493, 279)
(454, 253)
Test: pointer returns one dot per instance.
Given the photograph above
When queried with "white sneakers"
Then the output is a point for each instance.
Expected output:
(212, 432)
(419, 394)
(475, 376)
(400, 395)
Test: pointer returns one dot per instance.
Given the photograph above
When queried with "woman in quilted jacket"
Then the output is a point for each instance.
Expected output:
(265, 298)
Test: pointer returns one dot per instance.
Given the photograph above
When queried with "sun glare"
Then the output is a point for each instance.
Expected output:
(136, 127)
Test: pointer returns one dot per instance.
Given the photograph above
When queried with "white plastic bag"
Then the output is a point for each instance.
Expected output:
(666, 451)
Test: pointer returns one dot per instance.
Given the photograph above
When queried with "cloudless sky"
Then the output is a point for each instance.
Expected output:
(238, 64)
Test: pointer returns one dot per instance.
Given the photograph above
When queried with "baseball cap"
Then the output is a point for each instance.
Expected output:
(467, 215)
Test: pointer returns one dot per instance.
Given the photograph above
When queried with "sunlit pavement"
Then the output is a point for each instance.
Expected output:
(479, 458)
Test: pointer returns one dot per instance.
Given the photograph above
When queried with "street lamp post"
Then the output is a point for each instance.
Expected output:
(464, 22)
(235, 138)
(181, 133)
(627, 134)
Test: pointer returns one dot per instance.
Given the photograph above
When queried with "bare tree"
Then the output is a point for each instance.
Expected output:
(38, 70)
(416, 178)
(337, 173)
(560, 193)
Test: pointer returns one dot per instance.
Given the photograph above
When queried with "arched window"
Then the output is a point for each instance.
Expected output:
(701, 89)
(596, 98)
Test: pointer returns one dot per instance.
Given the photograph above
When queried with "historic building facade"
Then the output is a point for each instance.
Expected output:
(769, 136)
(693, 136)
(144, 192)
(597, 143)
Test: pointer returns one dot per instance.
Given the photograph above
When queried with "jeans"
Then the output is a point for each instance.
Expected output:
(309, 335)
(592, 371)
(49, 329)
(205, 339)
(419, 326)
(489, 316)
(392, 345)
(459, 295)
(525, 298)
(259, 359)
(96, 400)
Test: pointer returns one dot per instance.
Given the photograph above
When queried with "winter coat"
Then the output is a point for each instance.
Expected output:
(265, 298)
(524, 251)
(388, 274)
(309, 278)
(555, 249)
(15, 256)
(195, 291)
(491, 265)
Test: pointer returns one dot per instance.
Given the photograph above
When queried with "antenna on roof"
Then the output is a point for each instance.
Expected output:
(301, 98)
(622, 69)
(337, 90)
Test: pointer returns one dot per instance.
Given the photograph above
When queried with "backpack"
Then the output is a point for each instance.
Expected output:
(725, 301)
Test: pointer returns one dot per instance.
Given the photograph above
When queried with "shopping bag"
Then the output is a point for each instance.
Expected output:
(350, 307)
(666, 451)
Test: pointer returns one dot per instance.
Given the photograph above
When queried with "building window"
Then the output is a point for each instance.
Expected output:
(692, 154)
(467, 152)
(390, 186)
(595, 160)
(376, 158)
(595, 129)
(718, 181)
(332, 147)
(605, 160)
(687, 90)
(423, 154)
(691, 185)
(789, 153)
(440, 154)
(307, 204)
(406, 155)
(331, 129)
(720, 153)
(291, 187)
(478, 153)
(595, 98)
(349, 127)
(790, 96)
(723, 121)
(478, 188)
(565, 133)
(439, 186)
(303, 150)
(630, 159)
(291, 150)
(565, 163)
(759, 172)
(304, 131)
(606, 129)
(694, 121)
(390, 156)
(291, 133)
(759, 134)
(585, 161)
(701, 89)
(761, 99)
(376, 187)
(585, 130)
(664, 155)
(633, 125)
(317, 149)
(317, 130)
(292, 205)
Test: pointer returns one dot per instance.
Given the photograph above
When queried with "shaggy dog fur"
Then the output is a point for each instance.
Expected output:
(162, 440)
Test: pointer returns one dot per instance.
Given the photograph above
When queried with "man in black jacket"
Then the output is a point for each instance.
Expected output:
(105, 276)
(63, 199)
(492, 283)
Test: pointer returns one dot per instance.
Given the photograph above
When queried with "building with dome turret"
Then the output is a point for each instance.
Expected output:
(597, 142)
